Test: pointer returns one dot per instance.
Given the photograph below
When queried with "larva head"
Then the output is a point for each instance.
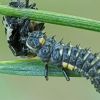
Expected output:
(35, 40)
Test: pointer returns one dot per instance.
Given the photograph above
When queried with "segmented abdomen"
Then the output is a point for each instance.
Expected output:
(67, 56)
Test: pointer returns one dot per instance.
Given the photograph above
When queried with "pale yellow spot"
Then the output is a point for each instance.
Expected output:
(64, 64)
(41, 40)
(70, 67)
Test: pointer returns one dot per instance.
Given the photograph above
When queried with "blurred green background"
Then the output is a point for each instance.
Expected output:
(13, 87)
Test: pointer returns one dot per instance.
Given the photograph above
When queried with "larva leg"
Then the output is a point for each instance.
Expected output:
(27, 3)
(32, 6)
(65, 74)
(46, 71)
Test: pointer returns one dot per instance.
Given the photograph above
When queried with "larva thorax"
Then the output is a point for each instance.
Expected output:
(45, 52)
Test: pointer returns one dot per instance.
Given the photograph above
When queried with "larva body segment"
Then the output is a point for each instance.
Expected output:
(66, 55)
(87, 63)
(56, 55)
(45, 52)
(96, 81)
(94, 69)
(73, 57)
(80, 60)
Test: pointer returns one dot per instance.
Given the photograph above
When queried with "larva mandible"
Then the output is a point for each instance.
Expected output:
(25, 38)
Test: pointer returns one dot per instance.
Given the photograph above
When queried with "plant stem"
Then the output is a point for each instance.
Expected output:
(52, 17)
(33, 67)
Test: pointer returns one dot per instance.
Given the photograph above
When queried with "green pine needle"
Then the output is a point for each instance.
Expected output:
(33, 67)
(52, 17)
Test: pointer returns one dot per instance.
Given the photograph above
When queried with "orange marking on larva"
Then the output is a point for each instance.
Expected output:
(42, 40)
